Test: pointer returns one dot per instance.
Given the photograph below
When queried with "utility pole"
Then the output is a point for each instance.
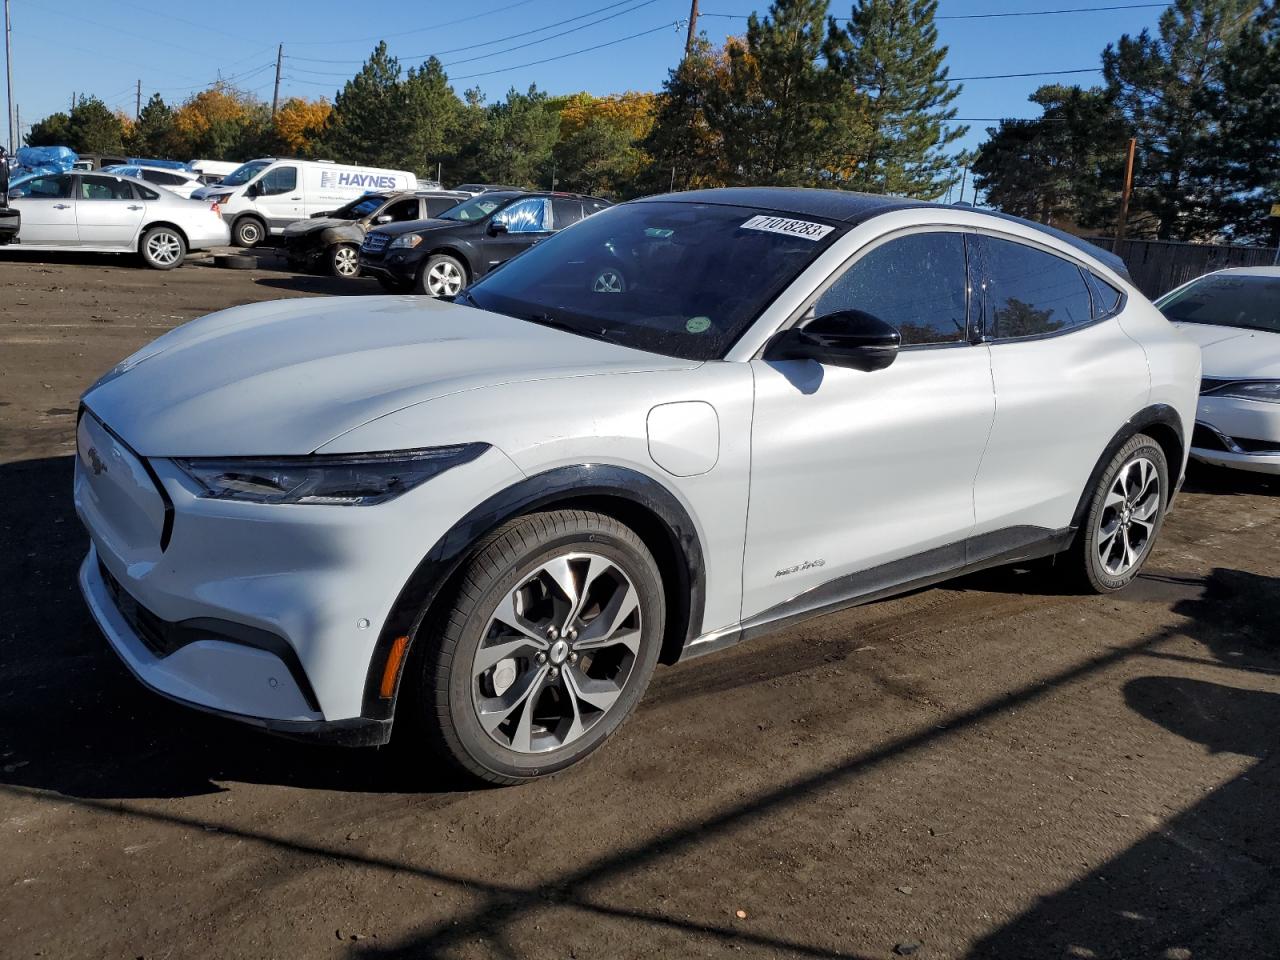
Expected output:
(693, 28)
(8, 64)
(1128, 189)
(275, 97)
(137, 101)
(964, 179)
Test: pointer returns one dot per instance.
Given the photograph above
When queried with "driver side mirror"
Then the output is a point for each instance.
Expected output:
(385, 218)
(848, 338)
(496, 227)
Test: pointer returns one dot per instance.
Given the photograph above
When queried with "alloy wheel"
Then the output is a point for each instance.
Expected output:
(164, 248)
(444, 279)
(556, 653)
(346, 262)
(608, 281)
(1128, 518)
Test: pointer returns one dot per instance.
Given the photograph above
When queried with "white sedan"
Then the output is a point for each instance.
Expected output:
(488, 520)
(182, 182)
(1235, 317)
(109, 213)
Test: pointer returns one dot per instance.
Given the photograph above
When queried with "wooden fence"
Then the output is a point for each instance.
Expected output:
(1157, 266)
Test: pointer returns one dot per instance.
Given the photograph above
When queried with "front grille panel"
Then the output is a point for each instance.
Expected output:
(151, 630)
(375, 243)
(1203, 438)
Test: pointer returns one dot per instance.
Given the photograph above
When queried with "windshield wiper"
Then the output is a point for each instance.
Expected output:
(555, 323)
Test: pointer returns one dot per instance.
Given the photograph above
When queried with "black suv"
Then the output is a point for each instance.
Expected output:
(331, 241)
(441, 256)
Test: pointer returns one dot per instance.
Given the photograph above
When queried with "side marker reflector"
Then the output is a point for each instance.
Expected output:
(392, 670)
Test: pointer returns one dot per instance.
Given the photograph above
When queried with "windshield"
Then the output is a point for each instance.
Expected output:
(680, 279)
(245, 172)
(1249, 301)
(360, 207)
(477, 208)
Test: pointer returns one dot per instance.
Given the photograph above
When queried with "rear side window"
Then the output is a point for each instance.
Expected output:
(566, 211)
(916, 283)
(105, 188)
(1030, 292)
(164, 179)
(438, 205)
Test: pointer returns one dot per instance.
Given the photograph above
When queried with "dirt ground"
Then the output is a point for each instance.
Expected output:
(989, 769)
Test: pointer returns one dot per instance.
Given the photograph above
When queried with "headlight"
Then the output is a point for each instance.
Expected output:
(406, 241)
(352, 480)
(1251, 390)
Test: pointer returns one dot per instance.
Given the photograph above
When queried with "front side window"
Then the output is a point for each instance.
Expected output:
(680, 279)
(526, 216)
(105, 188)
(44, 188)
(403, 210)
(1030, 292)
(915, 283)
(1248, 301)
(278, 181)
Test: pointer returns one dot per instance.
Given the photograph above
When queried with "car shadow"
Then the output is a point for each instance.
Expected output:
(1207, 478)
(322, 286)
(72, 717)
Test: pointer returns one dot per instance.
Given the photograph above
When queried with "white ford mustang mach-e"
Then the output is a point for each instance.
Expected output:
(681, 423)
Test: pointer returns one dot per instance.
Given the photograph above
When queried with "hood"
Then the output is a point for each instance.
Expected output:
(422, 226)
(286, 377)
(1231, 352)
(300, 227)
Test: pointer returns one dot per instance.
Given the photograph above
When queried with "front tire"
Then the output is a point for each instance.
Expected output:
(344, 261)
(162, 248)
(248, 232)
(546, 648)
(442, 276)
(1124, 517)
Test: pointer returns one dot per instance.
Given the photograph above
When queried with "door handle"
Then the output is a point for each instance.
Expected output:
(61, 206)
(135, 206)
(295, 198)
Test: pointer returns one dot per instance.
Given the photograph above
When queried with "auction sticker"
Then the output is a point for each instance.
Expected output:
(791, 228)
(698, 324)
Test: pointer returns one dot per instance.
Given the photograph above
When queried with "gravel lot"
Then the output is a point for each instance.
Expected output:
(988, 769)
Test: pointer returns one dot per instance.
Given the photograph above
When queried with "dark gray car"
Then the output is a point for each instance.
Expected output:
(331, 241)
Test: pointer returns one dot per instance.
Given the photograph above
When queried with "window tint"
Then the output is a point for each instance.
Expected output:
(1106, 298)
(164, 179)
(45, 188)
(1249, 301)
(525, 216)
(438, 205)
(280, 180)
(402, 210)
(146, 193)
(105, 188)
(566, 211)
(915, 283)
(1030, 292)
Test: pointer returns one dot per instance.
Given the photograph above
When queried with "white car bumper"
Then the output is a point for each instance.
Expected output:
(211, 231)
(1244, 434)
(267, 613)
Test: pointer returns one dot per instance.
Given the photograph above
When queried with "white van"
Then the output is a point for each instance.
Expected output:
(212, 171)
(262, 197)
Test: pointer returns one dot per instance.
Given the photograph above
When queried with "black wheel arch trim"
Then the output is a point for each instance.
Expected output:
(1157, 414)
(550, 489)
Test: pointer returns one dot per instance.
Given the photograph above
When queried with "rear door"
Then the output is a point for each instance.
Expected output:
(48, 210)
(108, 212)
(1066, 380)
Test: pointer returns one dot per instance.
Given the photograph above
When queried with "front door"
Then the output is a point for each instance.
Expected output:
(527, 221)
(278, 196)
(861, 480)
(107, 211)
(48, 210)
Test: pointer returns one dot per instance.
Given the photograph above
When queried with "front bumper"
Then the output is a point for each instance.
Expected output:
(270, 614)
(393, 265)
(1243, 434)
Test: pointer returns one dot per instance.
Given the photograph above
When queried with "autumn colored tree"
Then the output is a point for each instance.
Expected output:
(223, 123)
(598, 151)
(298, 124)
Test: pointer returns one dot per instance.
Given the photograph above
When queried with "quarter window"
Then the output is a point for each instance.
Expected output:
(1030, 292)
(1106, 298)
(916, 283)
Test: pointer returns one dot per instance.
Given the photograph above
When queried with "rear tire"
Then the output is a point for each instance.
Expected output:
(344, 261)
(162, 248)
(248, 232)
(1123, 518)
(498, 689)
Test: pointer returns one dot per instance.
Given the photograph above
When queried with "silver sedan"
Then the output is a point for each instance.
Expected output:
(109, 213)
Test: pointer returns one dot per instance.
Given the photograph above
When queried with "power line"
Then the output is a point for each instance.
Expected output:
(993, 16)
(1036, 73)
(405, 33)
(572, 53)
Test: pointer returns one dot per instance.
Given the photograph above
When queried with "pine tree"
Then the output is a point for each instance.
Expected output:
(516, 139)
(367, 118)
(685, 151)
(898, 102)
(775, 113)
(431, 114)
(1169, 89)
(154, 134)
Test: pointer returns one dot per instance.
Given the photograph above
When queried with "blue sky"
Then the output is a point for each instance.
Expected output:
(104, 46)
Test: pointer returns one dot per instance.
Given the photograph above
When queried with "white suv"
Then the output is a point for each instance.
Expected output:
(681, 423)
